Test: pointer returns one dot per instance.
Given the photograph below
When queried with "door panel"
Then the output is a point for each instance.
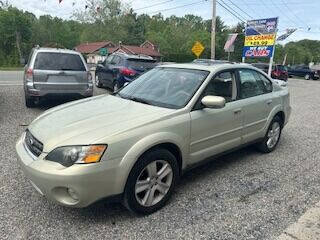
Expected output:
(256, 116)
(215, 130)
(257, 98)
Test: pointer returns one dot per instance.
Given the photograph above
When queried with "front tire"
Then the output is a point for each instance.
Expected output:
(272, 137)
(151, 182)
(307, 77)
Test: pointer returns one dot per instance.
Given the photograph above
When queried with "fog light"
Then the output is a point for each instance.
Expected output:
(73, 194)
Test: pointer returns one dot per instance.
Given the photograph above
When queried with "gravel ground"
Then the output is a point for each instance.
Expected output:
(243, 195)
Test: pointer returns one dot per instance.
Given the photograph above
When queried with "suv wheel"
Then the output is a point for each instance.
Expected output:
(97, 81)
(151, 182)
(271, 140)
(30, 101)
(116, 86)
(307, 76)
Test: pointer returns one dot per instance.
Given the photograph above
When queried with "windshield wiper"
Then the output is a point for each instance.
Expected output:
(140, 100)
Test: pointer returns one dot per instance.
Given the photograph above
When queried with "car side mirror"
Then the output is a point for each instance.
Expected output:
(213, 101)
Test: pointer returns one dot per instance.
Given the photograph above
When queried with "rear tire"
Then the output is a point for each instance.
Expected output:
(151, 182)
(272, 137)
(97, 81)
(116, 86)
(30, 102)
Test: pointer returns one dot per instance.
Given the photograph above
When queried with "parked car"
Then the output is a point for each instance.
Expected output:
(278, 71)
(303, 71)
(210, 61)
(52, 71)
(134, 145)
(120, 68)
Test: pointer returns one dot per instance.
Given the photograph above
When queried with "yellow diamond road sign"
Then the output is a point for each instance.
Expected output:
(197, 48)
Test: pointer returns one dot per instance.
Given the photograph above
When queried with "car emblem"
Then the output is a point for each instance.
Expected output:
(31, 141)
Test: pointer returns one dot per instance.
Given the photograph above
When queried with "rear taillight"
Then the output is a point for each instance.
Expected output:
(29, 75)
(127, 72)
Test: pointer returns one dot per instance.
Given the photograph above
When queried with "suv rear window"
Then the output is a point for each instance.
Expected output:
(141, 64)
(59, 61)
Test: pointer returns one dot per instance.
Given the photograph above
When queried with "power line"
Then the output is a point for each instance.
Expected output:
(157, 4)
(243, 21)
(234, 11)
(181, 6)
(290, 10)
(240, 9)
(249, 6)
(289, 18)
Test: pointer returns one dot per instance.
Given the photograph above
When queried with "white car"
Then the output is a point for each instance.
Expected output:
(133, 146)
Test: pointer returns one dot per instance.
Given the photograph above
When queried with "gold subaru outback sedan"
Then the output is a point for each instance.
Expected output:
(133, 145)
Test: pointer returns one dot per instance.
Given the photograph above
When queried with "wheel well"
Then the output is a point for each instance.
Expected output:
(282, 117)
(172, 148)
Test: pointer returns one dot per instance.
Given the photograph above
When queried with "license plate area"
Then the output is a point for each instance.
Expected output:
(61, 79)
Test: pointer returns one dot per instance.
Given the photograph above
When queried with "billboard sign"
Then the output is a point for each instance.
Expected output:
(260, 37)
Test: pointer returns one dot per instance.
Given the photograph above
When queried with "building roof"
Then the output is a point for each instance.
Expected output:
(87, 48)
(136, 50)
(91, 47)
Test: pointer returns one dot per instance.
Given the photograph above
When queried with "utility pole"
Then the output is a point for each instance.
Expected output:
(213, 30)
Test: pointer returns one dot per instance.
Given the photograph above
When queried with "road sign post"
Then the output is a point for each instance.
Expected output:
(197, 49)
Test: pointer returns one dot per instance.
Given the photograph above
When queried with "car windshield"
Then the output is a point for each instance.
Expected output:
(59, 62)
(165, 87)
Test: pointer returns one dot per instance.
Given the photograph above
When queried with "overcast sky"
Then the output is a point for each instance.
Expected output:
(292, 13)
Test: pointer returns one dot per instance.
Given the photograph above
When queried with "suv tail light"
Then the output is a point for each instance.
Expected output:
(127, 72)
(29, 75)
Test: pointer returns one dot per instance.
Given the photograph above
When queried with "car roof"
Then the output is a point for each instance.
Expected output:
(132, 56)
(211, 68)
(56, 50)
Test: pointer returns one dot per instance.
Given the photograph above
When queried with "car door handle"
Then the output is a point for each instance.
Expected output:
(237, 111)
(269, 102)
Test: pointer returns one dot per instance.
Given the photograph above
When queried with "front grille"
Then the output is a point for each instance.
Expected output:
(33, 145)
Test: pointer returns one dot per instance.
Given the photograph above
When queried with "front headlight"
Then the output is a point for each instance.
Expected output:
(69, 155)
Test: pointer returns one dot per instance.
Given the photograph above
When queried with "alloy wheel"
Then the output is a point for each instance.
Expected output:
(97, 81)
(307, 77)
(115, 87)
(273, 135)
(153, 183)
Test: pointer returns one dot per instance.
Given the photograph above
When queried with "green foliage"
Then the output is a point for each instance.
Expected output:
(112, 20)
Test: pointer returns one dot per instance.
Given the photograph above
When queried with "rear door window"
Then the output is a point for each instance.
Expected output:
(141, 64)
(59, 62)
(251, 84)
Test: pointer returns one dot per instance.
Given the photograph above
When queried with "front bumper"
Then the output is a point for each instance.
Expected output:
(90, 182)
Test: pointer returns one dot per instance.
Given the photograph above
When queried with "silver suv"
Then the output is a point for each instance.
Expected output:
(55, 71)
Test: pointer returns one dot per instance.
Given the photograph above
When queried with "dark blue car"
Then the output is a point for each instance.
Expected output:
(120, 68)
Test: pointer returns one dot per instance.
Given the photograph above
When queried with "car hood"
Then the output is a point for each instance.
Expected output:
(90, 120)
